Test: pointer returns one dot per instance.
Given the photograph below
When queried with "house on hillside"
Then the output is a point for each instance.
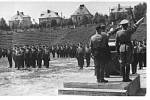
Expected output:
(79, 14)
(120, 12)
(20, 20)
(48, 16)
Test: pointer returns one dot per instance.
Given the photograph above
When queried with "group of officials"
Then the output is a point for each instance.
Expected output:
(100, 49)
(129, 52)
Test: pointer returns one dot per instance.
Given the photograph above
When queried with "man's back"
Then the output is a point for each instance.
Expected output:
(99, 41)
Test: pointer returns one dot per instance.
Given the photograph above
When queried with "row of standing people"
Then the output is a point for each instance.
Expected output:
(64, 51)
(32, 56)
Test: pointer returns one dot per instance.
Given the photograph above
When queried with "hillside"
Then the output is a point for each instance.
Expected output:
(63, 36)
(141, 32)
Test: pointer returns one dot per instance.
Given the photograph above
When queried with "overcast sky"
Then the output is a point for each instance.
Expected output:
(34, 8)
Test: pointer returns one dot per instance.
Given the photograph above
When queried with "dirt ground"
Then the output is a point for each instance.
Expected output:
(37, 82)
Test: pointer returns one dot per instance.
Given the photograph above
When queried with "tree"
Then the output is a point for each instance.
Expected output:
(140, 10)
(3, 24)
(99, 18)
(95, 20)
(53, 23)
(69, 21)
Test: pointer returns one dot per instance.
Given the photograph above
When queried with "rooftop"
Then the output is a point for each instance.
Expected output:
(120, 8)
(49, 14)
(19, 16)
(82, 10)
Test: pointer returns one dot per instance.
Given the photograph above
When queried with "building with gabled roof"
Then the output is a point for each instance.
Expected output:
(48, 16)
(77, 16)
(120, 11)
(20, 20)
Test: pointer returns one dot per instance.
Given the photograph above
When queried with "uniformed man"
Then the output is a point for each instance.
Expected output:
(74, 47)
(4, 52)
(53, 50)
(0, 53)
(22, 59)
(144, 53)
(46, 57)
(18, 58)
(58, 51)
(33, 57)
(27, 57)
(39, 57)
(135, 57)
(140, 51)
(87, 55)
(124, 47)
(80, 56)
(70, 51)
(99, 49)
(13, 55)
(9, 56)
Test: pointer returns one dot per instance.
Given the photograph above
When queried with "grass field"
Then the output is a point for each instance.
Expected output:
(61, 36)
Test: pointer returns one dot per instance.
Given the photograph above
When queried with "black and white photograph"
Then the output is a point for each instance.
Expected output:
(70, 48)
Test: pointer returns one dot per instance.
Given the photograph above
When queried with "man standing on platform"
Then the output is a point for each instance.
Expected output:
(124, 47)
(99, 50)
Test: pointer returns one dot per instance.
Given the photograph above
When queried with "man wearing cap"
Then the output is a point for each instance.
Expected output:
(124, 47)
(99, 50)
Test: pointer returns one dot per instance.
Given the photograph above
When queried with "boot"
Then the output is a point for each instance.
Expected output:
(123, 73)
(128, 73)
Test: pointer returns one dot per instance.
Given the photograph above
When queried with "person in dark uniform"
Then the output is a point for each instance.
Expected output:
(135, 57)
(14, 55)
(87, 55)
(39, 57)
(46, 58)
(124, 47)
(144, 53)
(17, 58)
(53, 51)
(4, 52)
(74, 47)
(33, 57)
(140, 50)
(70, 51)
(0, 53)
(58, 51)
(9, 56)
(27, 57)
(22, 57)
(80, 56)
(61, 51)
(99, 50)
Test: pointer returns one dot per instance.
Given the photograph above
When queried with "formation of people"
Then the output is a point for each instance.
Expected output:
(27, 56)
